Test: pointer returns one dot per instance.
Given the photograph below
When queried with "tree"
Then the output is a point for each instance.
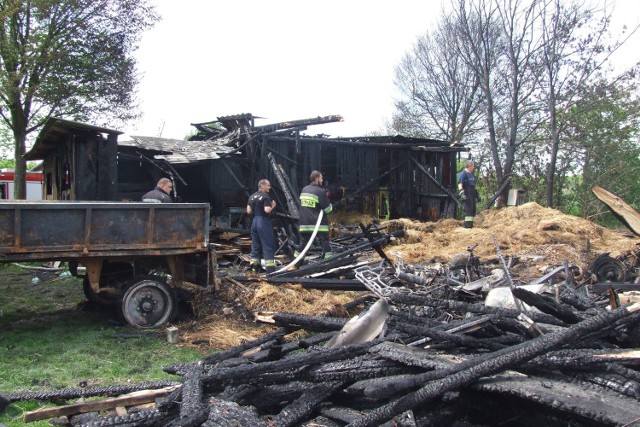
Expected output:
(499, 38)
(574, 53)
(475, 78)
(70, 58)
(603, 129)
(528, 61)
(439, 91)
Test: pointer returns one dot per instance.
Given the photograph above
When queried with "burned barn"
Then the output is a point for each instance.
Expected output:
(383, 176)
(79, 161)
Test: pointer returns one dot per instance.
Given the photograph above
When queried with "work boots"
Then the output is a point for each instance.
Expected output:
(301, 262)
(254, 267)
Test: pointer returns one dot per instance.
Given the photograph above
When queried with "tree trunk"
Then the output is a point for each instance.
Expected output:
(19, 114)
(555, 146)
(20, 184)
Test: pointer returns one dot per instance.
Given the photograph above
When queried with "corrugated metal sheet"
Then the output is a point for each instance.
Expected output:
(182, 151)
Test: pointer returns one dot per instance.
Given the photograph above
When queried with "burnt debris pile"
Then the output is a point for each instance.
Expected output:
(456, 343)
(355, 246)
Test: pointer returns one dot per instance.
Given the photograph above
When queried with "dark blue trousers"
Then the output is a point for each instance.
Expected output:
(263, 244)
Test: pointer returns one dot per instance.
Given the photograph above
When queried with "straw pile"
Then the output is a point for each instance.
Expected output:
(525, 230)
(538, 236)
(226, 318)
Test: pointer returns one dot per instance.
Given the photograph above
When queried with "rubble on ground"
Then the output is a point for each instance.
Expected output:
(540, 238)
(530, 317)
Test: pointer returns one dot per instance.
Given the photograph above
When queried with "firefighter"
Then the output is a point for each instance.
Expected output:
(313, 199)
(263, 243)
(160, 194)
(468, 193)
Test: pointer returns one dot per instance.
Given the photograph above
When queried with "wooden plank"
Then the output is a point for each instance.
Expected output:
(624, 212)
(136, 398)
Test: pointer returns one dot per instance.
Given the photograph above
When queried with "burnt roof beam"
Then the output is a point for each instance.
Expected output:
(298, 123)
(416, 146)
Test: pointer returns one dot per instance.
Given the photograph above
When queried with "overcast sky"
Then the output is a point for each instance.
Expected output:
(283, 60)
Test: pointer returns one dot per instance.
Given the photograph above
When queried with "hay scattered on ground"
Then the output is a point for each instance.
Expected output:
(529, 229)
(539, 237)
(220, 332)
(349, 218)
(296, 299)
(226, 317)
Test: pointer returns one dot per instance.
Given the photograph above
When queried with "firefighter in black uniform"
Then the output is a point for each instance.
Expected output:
(313, 199)
(160, 194)
(263, 243)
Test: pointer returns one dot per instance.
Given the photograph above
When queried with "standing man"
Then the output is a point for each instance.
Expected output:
(468, 193)
(313, 199)
(263, 243)
(160, 194)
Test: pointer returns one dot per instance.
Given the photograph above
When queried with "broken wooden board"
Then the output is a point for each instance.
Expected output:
(135, 398)
(624, 212)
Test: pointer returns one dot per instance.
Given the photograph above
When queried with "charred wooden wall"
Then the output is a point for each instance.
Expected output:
(201, 182)
(136, 174)
(211, 182)
(386, 177)
(81, 166)
(379, 179)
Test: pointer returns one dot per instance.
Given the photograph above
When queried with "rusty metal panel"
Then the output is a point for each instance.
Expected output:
(40, 228)
(7, 221)
(118, 227)
(36, 229)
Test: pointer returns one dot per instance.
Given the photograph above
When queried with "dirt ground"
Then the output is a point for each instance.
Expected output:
(538, 237)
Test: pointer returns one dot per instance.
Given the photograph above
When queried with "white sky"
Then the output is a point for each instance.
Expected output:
(284, 60)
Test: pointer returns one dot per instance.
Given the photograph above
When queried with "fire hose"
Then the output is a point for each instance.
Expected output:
(306, 248)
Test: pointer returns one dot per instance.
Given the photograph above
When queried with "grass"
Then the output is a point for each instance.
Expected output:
(51, 339)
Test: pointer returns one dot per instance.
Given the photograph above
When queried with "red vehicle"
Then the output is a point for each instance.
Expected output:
(34, 184)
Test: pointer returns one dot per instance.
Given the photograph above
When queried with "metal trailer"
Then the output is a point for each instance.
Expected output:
(126, 248)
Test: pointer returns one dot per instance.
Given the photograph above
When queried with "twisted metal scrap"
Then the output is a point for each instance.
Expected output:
(371, 278)
(507, 273)
(377, 280)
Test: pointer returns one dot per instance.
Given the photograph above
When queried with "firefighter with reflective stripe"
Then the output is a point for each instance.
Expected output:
(263, 243)
(468, 193)
(313, 199)
(160, 194)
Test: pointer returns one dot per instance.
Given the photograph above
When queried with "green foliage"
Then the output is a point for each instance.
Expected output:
(68, 58)
(605, 151)
(50, 342)
(11, 164)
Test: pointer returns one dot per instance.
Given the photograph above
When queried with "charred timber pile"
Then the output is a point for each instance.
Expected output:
(433, 345)
(408, 359)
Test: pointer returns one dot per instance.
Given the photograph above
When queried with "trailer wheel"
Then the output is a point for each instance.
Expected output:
(148, 302)
(608, 269)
